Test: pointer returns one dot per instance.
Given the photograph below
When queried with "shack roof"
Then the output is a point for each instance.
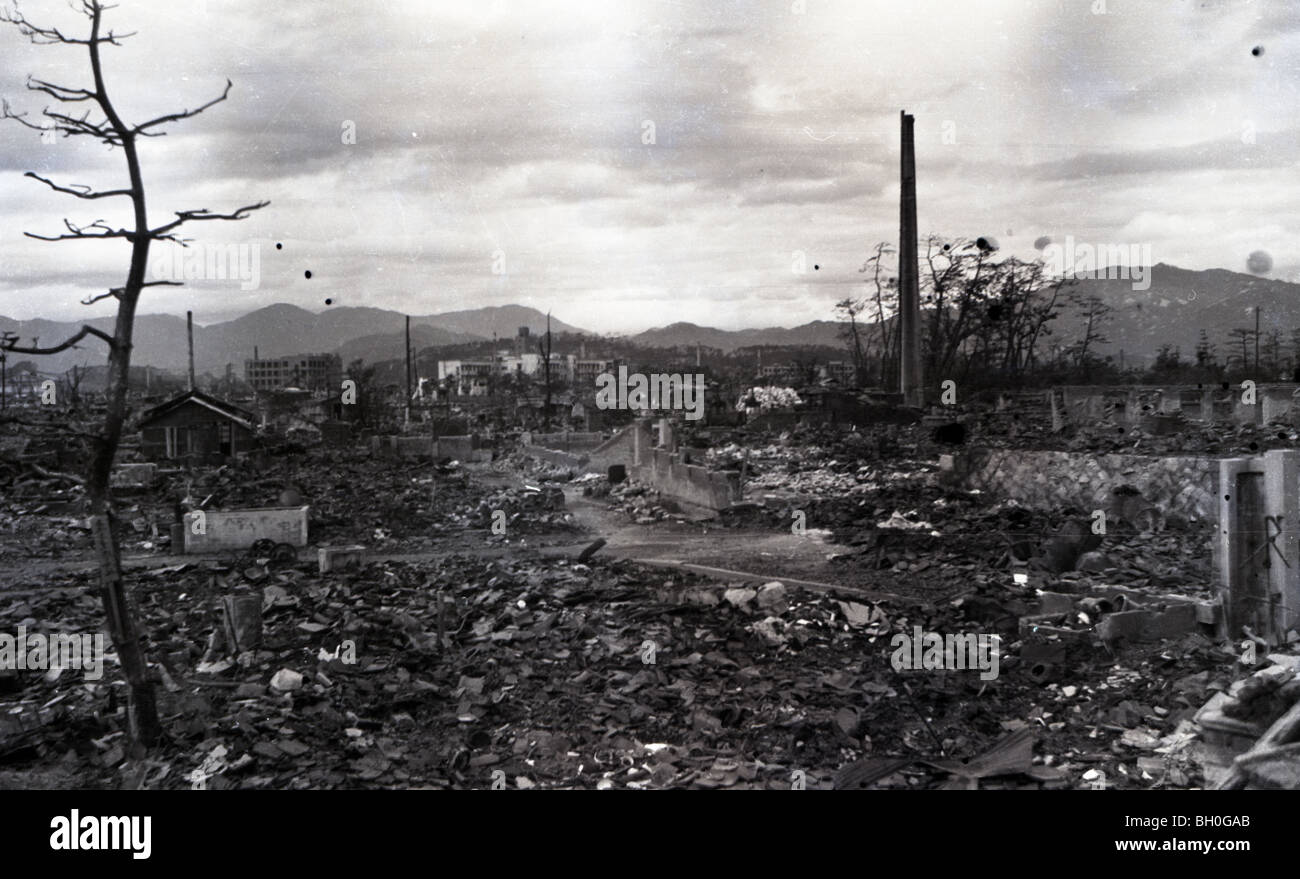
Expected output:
(242, 417)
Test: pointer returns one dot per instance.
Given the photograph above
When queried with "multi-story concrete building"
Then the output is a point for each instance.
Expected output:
(467, 378)
(472, 377)
(586, 371)
(786, 371)
(313, 372)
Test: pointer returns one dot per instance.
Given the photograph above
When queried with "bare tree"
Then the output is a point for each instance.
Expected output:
(848, 310)
(1094, 312)
(113, 131)
(1242, 335)
(885, 301)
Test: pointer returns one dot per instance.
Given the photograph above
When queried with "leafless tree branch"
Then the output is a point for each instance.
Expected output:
(61, 92)
(9, 343)
(77, 189)
(118, 292)
(205, 214)
(183, 114)
(78, 232)
(43, 36)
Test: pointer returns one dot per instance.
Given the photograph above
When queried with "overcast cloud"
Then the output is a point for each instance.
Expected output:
(519, 127)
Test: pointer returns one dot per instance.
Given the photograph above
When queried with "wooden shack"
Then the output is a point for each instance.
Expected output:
(197, 426)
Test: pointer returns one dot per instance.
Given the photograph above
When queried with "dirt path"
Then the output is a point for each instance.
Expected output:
(699, 546)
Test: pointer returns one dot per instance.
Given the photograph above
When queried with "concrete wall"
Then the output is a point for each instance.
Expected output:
(688, 484)
(406, 447)
(238, 529)
(1183, 487)
(1088, 404)
(572, 460)
(627, 447)
(622, 448)
(421, 448)
(568, 441)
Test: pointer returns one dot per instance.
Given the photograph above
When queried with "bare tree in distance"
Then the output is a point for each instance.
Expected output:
(849, 310)
(113, 131)
(890, 340)
(1094, 312)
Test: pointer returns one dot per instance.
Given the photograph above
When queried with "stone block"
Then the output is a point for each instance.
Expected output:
(340, 558)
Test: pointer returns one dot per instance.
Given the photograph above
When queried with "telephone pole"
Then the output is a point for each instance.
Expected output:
(408, 369)
(189, 331)
(1257, 340)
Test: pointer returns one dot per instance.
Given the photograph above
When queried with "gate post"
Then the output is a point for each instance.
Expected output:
(1282, 519)
(1258, 550)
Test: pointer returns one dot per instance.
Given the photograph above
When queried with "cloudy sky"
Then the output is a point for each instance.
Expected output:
(634, 163)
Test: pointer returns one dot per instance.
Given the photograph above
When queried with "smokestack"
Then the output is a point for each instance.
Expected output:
(189, 330)
(909, 293)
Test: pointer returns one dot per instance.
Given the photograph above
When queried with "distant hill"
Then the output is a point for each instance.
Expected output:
(502, 320)
(1179, 304)
(372, 334)
(820, 332)
(378, 347)
(159, 340)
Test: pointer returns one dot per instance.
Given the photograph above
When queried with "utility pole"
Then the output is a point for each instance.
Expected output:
(1257, 340)
(4, 387)
(189, 331)
(408, 369)
(546, 372)
(909, 293)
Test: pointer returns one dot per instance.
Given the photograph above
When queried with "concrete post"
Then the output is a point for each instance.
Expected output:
(1258, 551)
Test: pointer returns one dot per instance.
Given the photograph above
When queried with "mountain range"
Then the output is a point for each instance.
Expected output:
(373, 334)
(1178, 304)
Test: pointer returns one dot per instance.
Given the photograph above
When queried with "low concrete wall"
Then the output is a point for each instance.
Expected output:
(622, 448)
(568, 441)
(1185, 487)
(688, 484)
(238, 529)
(1093, 403)
(419, 448)
(408, 447)
(558, 458)
(627, 447)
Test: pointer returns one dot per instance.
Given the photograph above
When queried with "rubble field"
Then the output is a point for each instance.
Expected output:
(457, 657)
